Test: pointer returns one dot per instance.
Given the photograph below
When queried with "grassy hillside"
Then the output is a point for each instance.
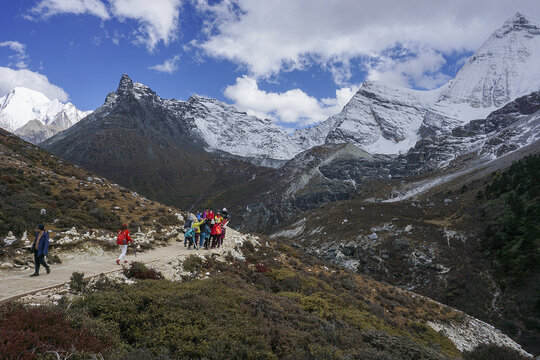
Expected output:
(31, 180)
(278, 303)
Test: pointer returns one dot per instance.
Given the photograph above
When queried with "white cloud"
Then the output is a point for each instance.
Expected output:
(10, 78)
(158, 19)
(290, 107)
(420, 70)
(48, 8)
(20, 56)
(169, 66)
(268, 37)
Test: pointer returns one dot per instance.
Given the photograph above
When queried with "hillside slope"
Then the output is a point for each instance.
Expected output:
(143, 142)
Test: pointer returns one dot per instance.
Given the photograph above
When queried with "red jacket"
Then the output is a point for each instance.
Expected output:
(216, 229)
(210, 215)
(123, 237)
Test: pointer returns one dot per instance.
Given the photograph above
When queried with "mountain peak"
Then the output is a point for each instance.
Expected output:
(125, 85)
(520, 22)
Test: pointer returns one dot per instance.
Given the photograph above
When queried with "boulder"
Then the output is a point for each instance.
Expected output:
(401, 245)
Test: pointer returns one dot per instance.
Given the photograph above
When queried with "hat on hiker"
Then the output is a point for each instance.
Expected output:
(41, 227)
(224, 209)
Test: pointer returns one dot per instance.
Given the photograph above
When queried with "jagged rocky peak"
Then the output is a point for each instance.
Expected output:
(520, 22)
(127, 87)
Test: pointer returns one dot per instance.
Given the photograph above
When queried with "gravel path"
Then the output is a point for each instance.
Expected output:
(16, 283)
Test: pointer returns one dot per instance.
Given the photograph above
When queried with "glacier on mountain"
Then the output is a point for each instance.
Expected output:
(34, 117)
(388, 119)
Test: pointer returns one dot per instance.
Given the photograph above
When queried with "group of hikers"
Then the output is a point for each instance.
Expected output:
(206, 230)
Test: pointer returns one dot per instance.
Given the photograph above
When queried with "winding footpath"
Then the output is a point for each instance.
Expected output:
(18, 283)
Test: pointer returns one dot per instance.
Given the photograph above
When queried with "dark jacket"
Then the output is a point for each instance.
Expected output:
(43, 248)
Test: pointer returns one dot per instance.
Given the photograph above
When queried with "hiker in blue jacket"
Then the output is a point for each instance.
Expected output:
(40, 248)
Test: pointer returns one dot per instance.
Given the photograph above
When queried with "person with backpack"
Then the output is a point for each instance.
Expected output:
(40, 248)
(122, 240)
(189, 238)
(205, 234)
(187, 225)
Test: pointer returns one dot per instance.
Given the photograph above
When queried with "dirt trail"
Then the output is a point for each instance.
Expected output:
(15, 283)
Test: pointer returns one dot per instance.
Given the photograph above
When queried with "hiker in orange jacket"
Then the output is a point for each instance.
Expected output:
(122, 240)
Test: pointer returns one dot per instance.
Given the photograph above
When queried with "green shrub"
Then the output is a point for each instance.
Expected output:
(77, 282)
(192, 263)
(139, 270)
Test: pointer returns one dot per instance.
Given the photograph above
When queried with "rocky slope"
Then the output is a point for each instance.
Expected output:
(333, 172)
(151, 145)
(431, 243)
(34, 117)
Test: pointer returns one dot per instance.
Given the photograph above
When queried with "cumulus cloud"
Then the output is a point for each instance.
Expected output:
(272, 36)
(169, 66)
(11, 78)
(422, 69)
(20, 56)
(293, 107)
(48, 8)
(158, 19)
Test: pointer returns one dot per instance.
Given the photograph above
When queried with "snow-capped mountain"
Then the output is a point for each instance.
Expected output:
(34, 117)
(225, 128)
(388, 119)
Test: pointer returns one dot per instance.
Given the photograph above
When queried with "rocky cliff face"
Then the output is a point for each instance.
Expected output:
(334, 172)
(151, 145)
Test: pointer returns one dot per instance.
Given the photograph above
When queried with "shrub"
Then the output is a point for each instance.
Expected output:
(29, 333)
(262, 268)
(192, 263)
(493, 352)
(139, 270)
(77, 282)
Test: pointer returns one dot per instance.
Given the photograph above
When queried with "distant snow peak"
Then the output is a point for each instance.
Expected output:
(388, 119)
(22, 106)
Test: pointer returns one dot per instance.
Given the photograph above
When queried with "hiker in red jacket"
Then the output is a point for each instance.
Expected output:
(215, 232)
(122, 240)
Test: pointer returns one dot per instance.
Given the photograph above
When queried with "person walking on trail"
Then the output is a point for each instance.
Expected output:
(122, 240)
(40, 248)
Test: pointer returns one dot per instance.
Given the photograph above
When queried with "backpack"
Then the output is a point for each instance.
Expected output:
(188, 224)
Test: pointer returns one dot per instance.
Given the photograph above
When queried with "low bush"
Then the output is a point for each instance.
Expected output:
(77, 282)
(139, 270)
(493, 352)
(37, 333)
(192, 263)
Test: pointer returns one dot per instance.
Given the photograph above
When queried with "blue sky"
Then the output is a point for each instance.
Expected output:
(296, 62)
